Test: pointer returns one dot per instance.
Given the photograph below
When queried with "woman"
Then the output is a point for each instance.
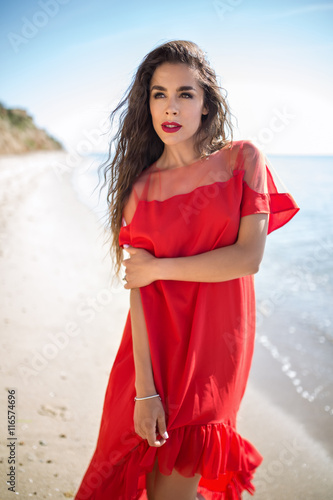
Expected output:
(192, 210)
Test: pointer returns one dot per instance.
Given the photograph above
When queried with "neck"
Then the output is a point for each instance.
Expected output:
(177, 156)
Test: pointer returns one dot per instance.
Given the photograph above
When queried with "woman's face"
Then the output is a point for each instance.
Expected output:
(176, 103)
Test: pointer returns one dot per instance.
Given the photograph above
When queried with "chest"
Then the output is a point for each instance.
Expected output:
(206, 218)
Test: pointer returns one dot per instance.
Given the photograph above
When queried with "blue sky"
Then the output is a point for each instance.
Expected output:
(68, 62)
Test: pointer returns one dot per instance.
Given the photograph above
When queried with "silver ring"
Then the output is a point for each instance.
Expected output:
(124, 278)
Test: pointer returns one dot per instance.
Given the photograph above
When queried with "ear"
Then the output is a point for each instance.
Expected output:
(205, 110)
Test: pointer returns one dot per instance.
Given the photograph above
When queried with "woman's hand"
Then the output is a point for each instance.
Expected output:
(149, 421)
(140, 268)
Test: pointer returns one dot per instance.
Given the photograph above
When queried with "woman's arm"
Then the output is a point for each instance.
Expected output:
(222, 264)
(147, 413)
(144, 380)
(226, 263)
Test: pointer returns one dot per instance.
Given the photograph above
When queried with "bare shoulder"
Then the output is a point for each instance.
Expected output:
(247, 146)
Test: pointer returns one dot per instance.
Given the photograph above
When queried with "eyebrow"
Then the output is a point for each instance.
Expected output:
(180, 89)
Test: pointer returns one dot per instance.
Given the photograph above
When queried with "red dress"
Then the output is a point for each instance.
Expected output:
(201, 335)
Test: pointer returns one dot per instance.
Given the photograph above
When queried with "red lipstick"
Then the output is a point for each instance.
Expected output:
(171, 127)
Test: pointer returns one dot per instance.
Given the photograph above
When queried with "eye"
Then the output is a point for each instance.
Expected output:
(186, 95)
(158, 95)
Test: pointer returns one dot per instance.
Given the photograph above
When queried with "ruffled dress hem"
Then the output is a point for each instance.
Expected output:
(225, 461)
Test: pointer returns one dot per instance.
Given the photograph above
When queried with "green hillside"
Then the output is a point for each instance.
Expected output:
(19, 134)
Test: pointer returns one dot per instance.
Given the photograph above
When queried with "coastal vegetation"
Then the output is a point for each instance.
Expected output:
(19, 134)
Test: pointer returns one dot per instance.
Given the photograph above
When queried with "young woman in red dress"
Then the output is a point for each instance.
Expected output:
(192, 209)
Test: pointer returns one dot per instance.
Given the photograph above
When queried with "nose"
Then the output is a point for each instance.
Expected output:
(171, 108)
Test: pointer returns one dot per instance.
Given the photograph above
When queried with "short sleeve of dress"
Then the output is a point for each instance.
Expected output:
(127, 215)
(138, 192)
(263, 192)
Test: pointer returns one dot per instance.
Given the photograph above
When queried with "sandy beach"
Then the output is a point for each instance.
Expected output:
(62, 318)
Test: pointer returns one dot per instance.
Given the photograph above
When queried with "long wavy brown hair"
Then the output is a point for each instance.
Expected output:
(136, 145)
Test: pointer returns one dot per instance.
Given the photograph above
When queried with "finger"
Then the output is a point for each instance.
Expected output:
(159, 443)
(150, 429)
(153, 441)
(162, 427)
(151, 436)
(130, 250)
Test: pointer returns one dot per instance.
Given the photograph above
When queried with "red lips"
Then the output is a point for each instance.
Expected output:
(171, 127)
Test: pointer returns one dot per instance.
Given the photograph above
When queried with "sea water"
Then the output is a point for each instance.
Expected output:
(294, 342)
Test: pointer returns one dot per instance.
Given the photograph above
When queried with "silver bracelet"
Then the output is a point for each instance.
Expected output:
(147, 397)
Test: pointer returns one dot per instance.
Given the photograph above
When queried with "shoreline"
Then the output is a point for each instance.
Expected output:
(62, 322)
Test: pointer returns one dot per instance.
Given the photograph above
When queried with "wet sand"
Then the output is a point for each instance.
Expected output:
(61, 322)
